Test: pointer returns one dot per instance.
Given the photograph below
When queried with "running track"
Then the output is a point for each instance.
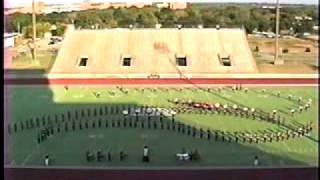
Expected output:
(308, 173)
(118, 81)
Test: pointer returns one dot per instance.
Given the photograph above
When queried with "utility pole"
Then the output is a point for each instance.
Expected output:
(34, 34)
(276, 58)
(18, 24)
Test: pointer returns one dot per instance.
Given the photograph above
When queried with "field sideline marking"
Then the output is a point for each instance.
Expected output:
(30, 155)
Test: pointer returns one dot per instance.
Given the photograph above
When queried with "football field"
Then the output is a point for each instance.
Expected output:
(96, 119)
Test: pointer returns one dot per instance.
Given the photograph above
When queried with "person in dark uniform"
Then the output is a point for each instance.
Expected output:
(27, 124)
(122, 155)
(99, 123)
(48, 132)
(21, 125)
(15, 128)
(229, 138)
(66, 127)
(9, 128)
(32, 123)
(154, 125)
(216, 135)
(58, 128)
(37, 122)
(87, 155)
(278, 136)
(73, 126)
(264, 138)
(52, 130)
(149, 125)
(39, 138)
(80, 125)
(250, 139)
(194, 133)
(223, 136)
(310, 127)
(99, 155)
(109, 156)
(118, 123)
(257, 139)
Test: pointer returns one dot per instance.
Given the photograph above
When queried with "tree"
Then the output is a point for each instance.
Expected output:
(166, 18)
(250, 25)
(228, 16)
(209, 18)
(42, 28)
(303, 26)
(125, 17)
(264, 22)
(18, 20)
(191, 19)
(147, 20)
(60, 29)
(87, 19)
(71, 17)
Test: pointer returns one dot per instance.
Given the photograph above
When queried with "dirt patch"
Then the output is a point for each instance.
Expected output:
(297, 60)
(288, 68)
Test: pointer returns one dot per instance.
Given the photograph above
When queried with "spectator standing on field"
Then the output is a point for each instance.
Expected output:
(256, 161)
(46, 160)
(145, 154)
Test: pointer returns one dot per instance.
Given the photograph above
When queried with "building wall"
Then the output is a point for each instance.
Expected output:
(154, 51)
(178, 5)
(8, 42)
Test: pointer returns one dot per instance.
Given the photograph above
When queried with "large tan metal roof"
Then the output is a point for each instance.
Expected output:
(154, 51)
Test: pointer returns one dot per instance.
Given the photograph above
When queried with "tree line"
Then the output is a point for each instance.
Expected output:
(228, 16)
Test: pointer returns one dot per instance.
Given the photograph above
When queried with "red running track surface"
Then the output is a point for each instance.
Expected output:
(114, 81)
(307, 173)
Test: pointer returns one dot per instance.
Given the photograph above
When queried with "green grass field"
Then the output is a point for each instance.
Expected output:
(25, 62)
(68, 148)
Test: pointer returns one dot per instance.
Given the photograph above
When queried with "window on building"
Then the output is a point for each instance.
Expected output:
(83, 61)
(181, 61)
(126, 61)
(226, 61)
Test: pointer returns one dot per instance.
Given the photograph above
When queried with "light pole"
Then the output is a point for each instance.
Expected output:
(34, 34)
(276, 58)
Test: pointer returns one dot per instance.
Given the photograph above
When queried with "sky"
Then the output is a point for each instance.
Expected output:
(18, 3)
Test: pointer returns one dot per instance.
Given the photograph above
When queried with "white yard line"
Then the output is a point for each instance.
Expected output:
(312, 144)
(287, 147)
(208, 98)
(30, 155)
